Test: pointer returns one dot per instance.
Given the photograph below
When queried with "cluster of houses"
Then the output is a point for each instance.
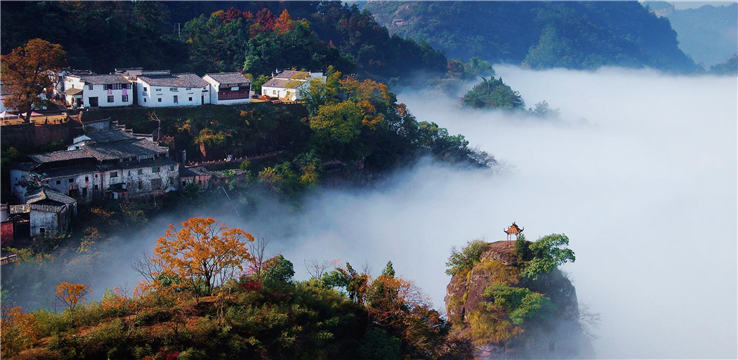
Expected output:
(161, 88)
(111, 162)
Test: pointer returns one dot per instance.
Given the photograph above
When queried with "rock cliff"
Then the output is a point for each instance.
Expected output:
(510, 316)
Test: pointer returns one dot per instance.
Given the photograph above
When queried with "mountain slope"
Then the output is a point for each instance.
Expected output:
(540, 35)
(709, 34)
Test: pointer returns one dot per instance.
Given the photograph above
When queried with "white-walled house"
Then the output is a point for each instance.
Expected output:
(171, 90)
(97, 90)
(288, 84)
(228, 88)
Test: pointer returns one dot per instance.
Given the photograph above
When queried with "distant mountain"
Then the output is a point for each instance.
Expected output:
(579, 35)
(709, 33)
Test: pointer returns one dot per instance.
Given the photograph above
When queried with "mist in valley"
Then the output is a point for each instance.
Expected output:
(639, 170)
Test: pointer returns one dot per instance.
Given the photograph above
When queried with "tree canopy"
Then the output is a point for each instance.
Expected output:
(30, 71)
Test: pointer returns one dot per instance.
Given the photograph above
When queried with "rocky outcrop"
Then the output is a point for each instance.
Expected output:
(557, 334)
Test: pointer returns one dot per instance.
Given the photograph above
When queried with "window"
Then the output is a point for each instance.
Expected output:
(90, 87)
(140, 171)
(125, 98)
(140, 184)
(155, 169)
(190, 98)
(144, 99)
(42, 231)
(159, 99)
(171, 167)
(58, 182)
(87, 179)
(129, 172)
(114, 174)
(124, 86)
(188, 89)
(173, 89)
(71, 181)
(155, 184)
(111, 98)
(176, 101)
(145, 89)
(158, 89)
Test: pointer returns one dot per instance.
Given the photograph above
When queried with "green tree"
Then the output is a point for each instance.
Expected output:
(337, 123)
(462, 261)
(548, 253)
(493, 93)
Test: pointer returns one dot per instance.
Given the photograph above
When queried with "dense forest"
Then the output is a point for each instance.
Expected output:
(576, 35)
(255, 37)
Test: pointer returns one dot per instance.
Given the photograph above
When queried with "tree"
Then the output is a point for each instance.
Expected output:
(71, 294)
(284, 22)
(462, 261)
(492, 93)
(30, 70)
(548, 252)
(337, 123)
(203, 250)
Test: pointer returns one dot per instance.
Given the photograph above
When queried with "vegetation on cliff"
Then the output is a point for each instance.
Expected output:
(501, 293)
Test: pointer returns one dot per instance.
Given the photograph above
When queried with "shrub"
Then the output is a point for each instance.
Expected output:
(519, 303)
(462, 261)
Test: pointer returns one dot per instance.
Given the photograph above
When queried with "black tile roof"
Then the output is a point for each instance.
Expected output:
(174, 80)
(229, 78)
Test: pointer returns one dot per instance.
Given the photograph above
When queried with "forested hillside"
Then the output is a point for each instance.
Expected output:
(540, 35)
(201, 37)
(709, 34)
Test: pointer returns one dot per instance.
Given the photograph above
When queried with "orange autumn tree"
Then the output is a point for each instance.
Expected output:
(19, 331)
(284, 22)
(28, 71)
(203, 251)
(71, 294)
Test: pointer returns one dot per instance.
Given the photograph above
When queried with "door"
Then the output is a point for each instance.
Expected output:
(93, 101)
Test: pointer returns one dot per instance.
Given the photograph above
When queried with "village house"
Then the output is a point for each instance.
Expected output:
(197, 175)
(288, 84)
(161, 88)
(50, 212)
(92, 91)
(111, 164)
(228, 88)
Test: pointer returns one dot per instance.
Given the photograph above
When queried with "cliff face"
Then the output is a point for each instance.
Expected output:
(553, 331)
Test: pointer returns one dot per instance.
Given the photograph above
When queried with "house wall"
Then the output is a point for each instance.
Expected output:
(98, 90)
(150, 97)
(81, 187)
(17, 177)
(47, 220)
(90, 186)
(281, 93)
(215, 88)
(140, 181)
